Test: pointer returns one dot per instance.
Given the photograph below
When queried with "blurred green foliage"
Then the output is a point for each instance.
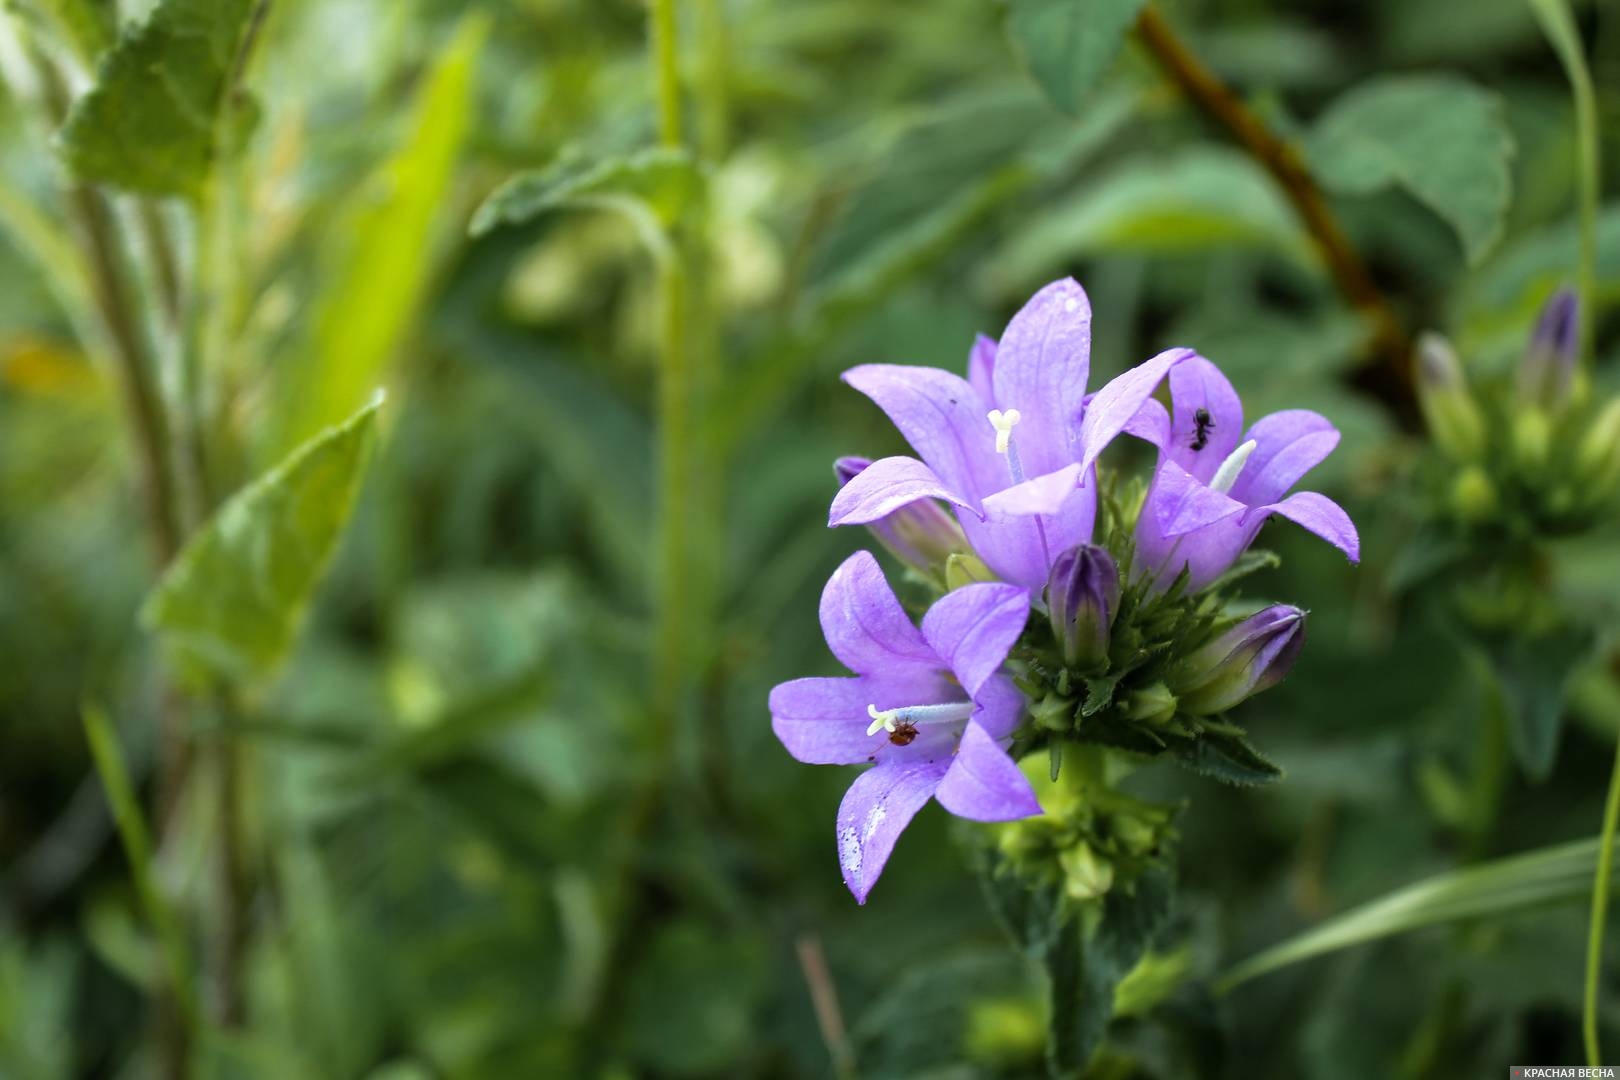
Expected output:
(460, 831)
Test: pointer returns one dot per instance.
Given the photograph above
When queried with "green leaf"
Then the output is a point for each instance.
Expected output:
(1191, 201)
(1441, 139)
(661, 182)
(379, 275)
(1069, 44)
(234, 597)
(1534, 674)
(163, 106)
(1228, 758)
(1489, 890)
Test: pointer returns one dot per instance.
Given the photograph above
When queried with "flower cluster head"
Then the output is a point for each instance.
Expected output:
(1066, 611)
(1528, 454)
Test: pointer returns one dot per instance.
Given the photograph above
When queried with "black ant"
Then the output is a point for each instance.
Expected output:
(1204, 424)
(903, 734)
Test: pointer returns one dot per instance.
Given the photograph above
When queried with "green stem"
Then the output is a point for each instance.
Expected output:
(1600, 913)
(1565, 37)
(137, 843)
(666, 71)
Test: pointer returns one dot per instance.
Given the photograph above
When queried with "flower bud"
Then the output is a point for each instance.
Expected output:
(921, 534)
(1086, 875)
(1548, 370)
(1448, 407)
(1473, 494)
(1532, 439)
(1253, 656)
(1597, 460)
(1082, 595)
(1152, 705)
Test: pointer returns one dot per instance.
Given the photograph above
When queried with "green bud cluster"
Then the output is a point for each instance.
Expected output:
(1519, 457)
(1156, 673)
(1090, 839)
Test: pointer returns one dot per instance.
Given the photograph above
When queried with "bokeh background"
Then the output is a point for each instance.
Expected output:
(512, 807)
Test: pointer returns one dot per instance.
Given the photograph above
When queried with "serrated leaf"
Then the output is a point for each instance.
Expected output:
(1069, 44)
(1440, 138)
(234, 597)
(162, 108)
(381, 268)
(1250, 562)
(662, 180)
(1228, 758)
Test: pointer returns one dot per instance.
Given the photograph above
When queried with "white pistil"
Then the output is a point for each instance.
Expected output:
(1231, 468)
(889, 719)
(1004, 422)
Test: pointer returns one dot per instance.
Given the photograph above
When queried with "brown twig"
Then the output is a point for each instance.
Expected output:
(1391, 344)
(824, 999)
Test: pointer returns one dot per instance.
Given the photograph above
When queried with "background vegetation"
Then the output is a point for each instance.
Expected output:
(506, 802)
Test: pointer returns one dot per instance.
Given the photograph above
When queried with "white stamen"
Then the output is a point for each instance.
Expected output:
(1003, 422)
(1231, 468)
(889, 719)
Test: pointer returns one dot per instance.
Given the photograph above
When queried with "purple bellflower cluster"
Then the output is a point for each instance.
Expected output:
(1072, 608)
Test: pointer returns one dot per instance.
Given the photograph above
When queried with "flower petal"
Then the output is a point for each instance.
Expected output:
(973, 627)
(1042, 363)
(984, 784)
(823, 721)
(944, 420)
(1196, 384)
(1150, 424)
(1324, 517)
(1044, 494)
(1180, 502)
(865, 625)
(1000, 706)
(885, 486)
(1116, 405)
(875, 811)
(981, 369)
(1288, 445)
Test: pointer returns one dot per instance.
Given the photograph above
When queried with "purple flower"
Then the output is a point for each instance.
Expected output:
(920, 534)
(1213, 490)
(929, 707)
(1012, 446)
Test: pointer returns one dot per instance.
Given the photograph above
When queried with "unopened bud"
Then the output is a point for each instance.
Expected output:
(1532, 439)
(1082, 595)
(1449, 408)
(1152, 705)
(921, 534)
(1473, 494)
(1548, 370)
(1597, 460)
(1086, 875)
(1252, 656)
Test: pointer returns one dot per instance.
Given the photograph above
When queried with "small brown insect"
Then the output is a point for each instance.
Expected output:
(1203, 424)
(903, 734)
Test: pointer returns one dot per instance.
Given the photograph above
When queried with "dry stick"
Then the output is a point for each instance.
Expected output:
(824, 999)
(1282, 160)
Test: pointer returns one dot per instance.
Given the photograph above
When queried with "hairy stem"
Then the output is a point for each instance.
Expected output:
(1286, 166)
